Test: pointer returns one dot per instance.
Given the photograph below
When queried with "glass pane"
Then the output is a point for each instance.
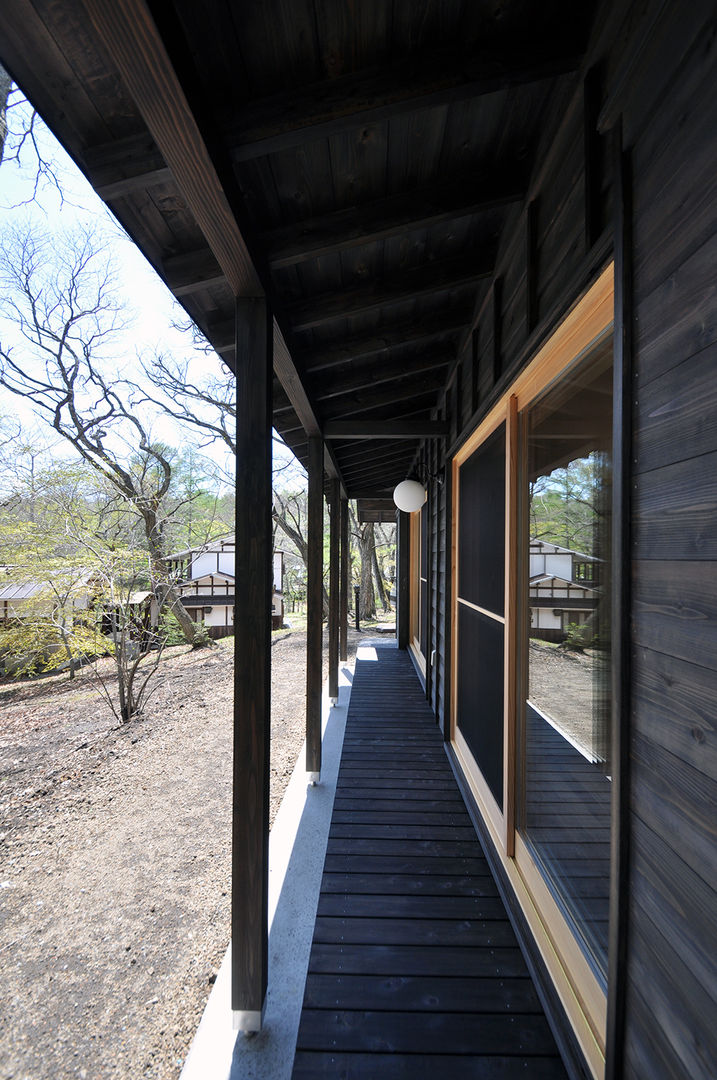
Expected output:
(566, 760)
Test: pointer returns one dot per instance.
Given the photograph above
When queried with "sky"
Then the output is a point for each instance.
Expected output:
(153, 308)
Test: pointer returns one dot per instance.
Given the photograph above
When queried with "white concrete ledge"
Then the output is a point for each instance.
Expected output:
(297, 848)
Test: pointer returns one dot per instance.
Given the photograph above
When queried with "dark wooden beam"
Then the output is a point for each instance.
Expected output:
(440, 276)
(357, 455)
(395, 336)
(620, 599)
(361, 377)
(369, 474)
(191, 271)
(399, 429)
(125, 159)
(394, 216)
(116, 189)
(252, 664)
(406, 389)
(497, 309)
(132, 41)
(592, 148)
(334, 572)
(422, 81)
(380, 510)
(344, 581)
(314, 606)
(135, 47)
(531, 265)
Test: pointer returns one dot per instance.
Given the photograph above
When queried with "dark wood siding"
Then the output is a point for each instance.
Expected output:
(670, 120)
(671, 991)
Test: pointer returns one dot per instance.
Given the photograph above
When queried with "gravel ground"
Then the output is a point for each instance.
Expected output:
(562, 687)
(114, 862)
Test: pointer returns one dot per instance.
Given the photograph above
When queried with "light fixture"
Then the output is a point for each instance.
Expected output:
(409, 496)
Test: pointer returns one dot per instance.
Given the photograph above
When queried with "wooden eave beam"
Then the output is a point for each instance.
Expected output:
(441, 276)
(388, 429)
(384, 218)
(286, 120)
(130, 37)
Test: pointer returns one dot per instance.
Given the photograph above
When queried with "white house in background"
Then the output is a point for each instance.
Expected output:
(205, 582)
(20, 598)
(564, 588)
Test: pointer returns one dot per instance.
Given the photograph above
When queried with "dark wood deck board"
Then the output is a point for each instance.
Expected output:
(414, 967)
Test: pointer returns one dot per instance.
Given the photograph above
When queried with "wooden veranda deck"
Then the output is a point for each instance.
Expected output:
(415, 970)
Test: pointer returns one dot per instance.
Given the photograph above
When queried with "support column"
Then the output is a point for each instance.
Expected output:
(252, 664)
(334, 514)
(344, 582)
(403, 542)
(314, 607)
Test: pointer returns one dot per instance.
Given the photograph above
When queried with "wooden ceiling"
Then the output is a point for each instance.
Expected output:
(356, 161)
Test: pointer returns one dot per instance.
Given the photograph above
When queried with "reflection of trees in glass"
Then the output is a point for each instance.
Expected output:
(565, 505)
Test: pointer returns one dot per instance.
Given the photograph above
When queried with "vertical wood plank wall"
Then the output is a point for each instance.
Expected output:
(671, 986)
(668, 106)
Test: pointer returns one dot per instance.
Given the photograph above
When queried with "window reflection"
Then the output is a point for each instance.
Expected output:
(566, 733)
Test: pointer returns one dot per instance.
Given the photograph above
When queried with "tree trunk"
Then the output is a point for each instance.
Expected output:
(165, 591)
(380, 587)
(367, 551)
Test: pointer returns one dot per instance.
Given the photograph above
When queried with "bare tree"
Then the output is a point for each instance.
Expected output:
(5, 87)
(19, 142)
(60, 299)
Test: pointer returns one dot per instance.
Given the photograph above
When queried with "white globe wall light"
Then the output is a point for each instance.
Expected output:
(409, 496)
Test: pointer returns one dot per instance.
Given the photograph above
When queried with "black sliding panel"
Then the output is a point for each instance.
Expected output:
(481, 536)
(480, 693)
(481, 607)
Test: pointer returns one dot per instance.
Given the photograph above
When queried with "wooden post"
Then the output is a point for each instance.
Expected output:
(314, 606)
(621, 653)
(252, 660)
(402, 585)
(344, 583)
(334, 592)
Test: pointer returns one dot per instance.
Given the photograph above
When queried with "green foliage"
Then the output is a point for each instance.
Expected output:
(172, 634)
(565, 505)
(574, 638)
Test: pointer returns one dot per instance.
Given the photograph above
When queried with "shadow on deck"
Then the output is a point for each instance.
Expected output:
(414, 966)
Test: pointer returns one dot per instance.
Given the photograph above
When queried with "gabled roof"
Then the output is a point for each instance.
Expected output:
(542, 579)
(547, 548)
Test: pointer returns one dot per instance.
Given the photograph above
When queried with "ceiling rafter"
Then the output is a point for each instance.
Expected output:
(396, 335)
(385, 429)
(284, 121)
(135, 46)
(485, 189)
(191, 271)
(371, 375)
(439, 276)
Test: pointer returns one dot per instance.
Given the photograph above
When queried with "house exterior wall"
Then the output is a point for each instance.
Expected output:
(670, 1002)
(659, 65)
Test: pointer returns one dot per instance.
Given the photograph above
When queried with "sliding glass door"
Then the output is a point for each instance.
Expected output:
(531, 710)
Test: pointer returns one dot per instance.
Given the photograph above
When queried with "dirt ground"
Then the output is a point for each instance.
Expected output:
(563, 685)
(115, 855)
(115, 861)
